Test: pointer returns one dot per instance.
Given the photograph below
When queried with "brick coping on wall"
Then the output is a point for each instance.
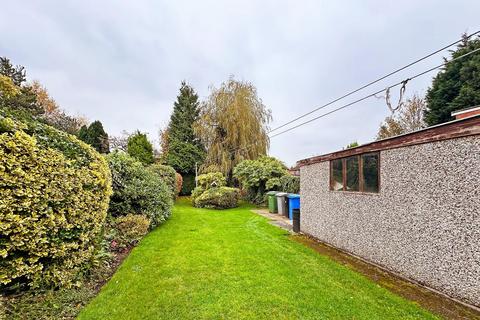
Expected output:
(449, 130)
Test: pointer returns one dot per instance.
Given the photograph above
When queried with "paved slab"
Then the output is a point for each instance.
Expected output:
(275, 219)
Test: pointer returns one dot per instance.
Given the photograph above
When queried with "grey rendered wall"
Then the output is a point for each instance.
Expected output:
(424, 223)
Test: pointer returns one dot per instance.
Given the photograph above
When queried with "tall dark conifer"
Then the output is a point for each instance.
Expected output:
(457, 86)
(184, 148)
(95, 136)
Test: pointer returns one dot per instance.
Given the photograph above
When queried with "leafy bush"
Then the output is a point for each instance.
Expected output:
(168, 175)
(140, 148)
(212, 179)
(290, 184)
(218, 198)
(179, 183)
(54, 193)
(137, 190)
(131, 229)
(206, 181)
(258, 176)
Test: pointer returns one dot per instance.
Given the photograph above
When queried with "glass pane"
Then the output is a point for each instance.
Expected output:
(370, 172)
(352, 174)
(337, 175)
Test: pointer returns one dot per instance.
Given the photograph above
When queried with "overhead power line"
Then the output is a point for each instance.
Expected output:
(375, 93)
(371, 83)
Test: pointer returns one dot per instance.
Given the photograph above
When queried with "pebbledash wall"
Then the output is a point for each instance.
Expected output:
(424, 223)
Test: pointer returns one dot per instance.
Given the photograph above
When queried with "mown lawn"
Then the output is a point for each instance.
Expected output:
(232, 264)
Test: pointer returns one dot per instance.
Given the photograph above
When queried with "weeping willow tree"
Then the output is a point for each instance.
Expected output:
(233, 126)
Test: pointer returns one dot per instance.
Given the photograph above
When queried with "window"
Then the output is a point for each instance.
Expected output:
(336, 178)
(370, 172)
(352, 183)
(355, 173)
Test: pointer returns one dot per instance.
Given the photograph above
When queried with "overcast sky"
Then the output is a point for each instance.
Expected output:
(122, 62)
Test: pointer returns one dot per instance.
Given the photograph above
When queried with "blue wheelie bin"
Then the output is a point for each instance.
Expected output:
(293, 203)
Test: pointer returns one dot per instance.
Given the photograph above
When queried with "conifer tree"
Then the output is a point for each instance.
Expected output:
(457, 86)
(182, 148)
(140, 148)
(95, 136)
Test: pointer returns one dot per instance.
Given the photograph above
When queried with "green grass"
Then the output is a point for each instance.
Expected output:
(232, 264)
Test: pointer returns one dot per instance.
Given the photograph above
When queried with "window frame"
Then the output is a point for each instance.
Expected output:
(361, 183)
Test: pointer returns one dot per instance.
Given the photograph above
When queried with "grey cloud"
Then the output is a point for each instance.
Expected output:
(122, 62)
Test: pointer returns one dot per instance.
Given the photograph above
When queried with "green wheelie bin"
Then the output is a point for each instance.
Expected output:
(272, 202)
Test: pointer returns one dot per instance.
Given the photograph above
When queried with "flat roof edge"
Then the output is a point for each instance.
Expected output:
(444, 131)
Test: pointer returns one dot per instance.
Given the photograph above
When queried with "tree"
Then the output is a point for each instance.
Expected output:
(17, 73)
(410, 118)
(95, 136)
(119, 142)
(179, 139)
(181, 148)
(457, 86)
(140, 148)
(233, 126)
(47, 103)
(353, 144)
(7, 88)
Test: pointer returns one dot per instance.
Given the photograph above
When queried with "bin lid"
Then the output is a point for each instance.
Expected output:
(271, 193)
(293, 196)
(281, 194)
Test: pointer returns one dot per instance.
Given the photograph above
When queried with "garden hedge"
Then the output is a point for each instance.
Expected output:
(168, 175)
(137, 190)
(54, 195)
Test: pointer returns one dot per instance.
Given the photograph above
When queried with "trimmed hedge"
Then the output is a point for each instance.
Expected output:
(137, 190)
(212, 192)
(54, 194)
(167, 174)
(218, 198)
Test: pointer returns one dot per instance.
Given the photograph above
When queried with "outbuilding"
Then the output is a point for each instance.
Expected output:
(410, 204)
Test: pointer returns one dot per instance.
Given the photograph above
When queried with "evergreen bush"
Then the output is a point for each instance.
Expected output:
(168, 175)
(218, 198)
(54, 194)
(290, 184)
(137, 190)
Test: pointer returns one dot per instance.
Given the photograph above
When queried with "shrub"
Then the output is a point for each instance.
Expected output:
(168, 175)
(54, 193)
(137, 190)
(218, 198)
(206, 181)
(212, 179)
(258, 176)
(290, 184)
(131, 229)
(179, 183)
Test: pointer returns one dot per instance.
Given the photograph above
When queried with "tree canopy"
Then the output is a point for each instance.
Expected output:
(457, 86)
(96, 136)
(409, 118)
(140, 148)
(180, 146)
(233, 126)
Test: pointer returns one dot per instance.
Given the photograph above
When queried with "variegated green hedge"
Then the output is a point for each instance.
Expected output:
(54, 195)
